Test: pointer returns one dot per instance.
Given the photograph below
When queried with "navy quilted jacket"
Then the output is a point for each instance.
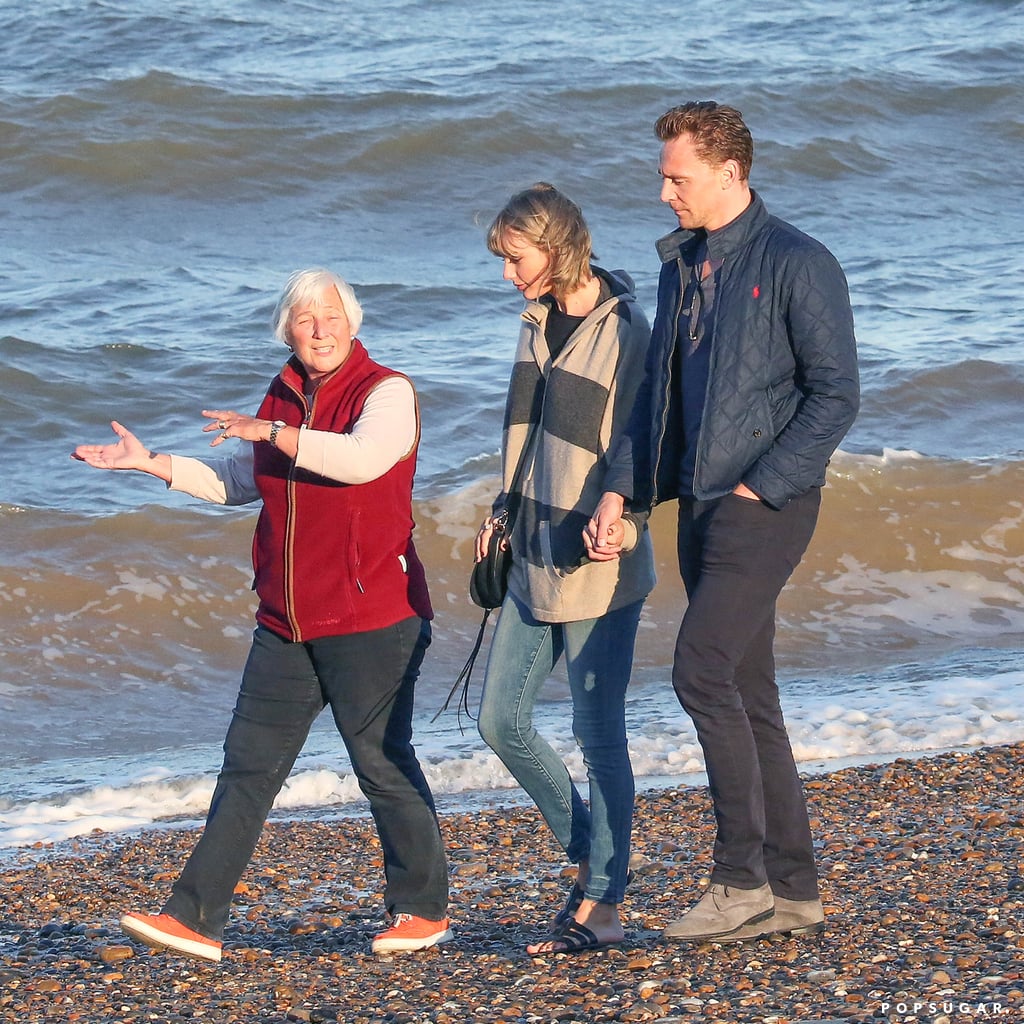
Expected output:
(783, 385)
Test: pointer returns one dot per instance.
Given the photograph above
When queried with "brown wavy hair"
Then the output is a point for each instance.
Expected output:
(717, 131)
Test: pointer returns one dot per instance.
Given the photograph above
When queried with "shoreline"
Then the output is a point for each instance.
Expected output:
(922, 878)
(455, 802)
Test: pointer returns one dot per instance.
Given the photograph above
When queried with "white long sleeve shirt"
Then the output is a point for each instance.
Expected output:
(385, 432)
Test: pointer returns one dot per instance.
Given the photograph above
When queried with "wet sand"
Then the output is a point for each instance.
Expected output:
(922, 865)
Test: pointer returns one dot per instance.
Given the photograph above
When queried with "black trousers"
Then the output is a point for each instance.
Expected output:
(735, 556)
(368, 680)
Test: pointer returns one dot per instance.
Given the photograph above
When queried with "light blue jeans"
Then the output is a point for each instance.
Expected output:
(598, 658)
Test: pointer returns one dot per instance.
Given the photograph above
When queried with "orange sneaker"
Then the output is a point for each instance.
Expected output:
(161, 931)
(410, 933)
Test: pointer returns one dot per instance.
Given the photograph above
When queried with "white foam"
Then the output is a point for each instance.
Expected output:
(922, 600)
(894, 716)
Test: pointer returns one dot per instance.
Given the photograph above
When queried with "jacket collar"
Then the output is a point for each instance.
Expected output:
(721, 243)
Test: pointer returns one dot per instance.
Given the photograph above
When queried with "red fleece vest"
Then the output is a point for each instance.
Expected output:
(333, 558)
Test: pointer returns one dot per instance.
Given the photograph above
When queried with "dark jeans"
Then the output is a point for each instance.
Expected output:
(368, 679)
(735, 556)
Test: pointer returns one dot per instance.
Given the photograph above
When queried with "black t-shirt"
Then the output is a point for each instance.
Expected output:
(560, 326)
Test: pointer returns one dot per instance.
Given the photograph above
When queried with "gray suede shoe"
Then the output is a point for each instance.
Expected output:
(791, 917)
(721, 911)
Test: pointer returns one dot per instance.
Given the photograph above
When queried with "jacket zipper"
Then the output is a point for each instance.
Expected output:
(666, 396)
(289, 566)
(357, 553)
(713, 324)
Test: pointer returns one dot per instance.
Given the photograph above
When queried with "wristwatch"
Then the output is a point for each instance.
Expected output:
(274, 428)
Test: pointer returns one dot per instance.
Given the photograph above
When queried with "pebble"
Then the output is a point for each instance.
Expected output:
(112, 954)
(922, 868)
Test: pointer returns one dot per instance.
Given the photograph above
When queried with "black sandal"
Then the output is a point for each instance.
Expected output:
(576, 938)
(568, 912)
(572, 904)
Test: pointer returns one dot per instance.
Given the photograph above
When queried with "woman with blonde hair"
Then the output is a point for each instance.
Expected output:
(579, 362)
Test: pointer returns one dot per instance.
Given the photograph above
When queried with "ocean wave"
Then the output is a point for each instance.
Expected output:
(166, 167)
(926, 408)
(912, 553)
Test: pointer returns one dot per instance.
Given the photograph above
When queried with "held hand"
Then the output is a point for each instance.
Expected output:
(234, 424)
(604, 534)
(127, 453)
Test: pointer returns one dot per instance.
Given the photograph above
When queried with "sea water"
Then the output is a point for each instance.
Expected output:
(166, 166)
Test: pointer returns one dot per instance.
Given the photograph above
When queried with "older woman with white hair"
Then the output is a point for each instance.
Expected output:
(343, 618)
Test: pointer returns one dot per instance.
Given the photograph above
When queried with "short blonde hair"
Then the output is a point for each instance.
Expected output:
(305, 286)
(554, 223)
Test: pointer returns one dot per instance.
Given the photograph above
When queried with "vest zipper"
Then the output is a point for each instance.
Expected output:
(289, 568)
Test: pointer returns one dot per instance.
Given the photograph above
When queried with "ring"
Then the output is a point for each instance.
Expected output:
(224, 436)
(223, 424)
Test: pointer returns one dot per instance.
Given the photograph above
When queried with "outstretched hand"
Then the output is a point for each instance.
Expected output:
(126, 453)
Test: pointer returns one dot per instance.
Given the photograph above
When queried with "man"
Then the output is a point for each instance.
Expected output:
(751, 384)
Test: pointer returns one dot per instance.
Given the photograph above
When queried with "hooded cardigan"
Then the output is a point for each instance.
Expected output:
(562, 417)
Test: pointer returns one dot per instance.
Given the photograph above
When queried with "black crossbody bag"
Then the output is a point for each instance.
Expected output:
(488, 585)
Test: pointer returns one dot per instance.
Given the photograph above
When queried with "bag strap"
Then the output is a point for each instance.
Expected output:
(463, 679)
(513, 487)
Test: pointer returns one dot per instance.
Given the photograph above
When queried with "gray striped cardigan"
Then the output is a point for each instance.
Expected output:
(578, 404)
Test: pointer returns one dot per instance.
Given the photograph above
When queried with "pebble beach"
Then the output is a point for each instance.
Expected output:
(922, 866)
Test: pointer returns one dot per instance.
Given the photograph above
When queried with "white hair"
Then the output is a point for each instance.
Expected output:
(307, 286)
